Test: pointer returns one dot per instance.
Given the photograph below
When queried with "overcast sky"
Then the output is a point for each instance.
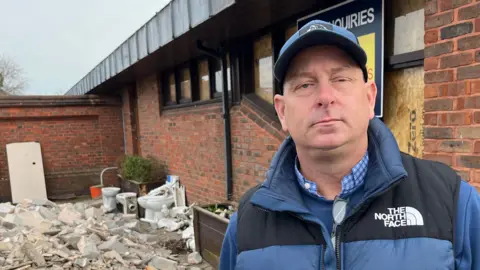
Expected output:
(57, 42)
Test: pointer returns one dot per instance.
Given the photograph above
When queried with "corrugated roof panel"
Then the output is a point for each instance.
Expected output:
(181, 20)
(199, 12)
(125, 55)
(142, 42)
(132, 46)
(113, 69)
(153, 34)
(165, 25)
(118, 60)
(107, 68)
(219, 5)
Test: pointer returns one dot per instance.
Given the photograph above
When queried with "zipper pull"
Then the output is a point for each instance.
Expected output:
(339, 211)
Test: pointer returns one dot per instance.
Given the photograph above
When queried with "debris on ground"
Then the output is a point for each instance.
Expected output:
(80, 235)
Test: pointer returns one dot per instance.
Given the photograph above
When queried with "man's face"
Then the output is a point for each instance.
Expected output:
(326, 103)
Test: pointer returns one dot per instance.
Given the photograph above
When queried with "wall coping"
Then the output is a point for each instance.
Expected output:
(58, 101)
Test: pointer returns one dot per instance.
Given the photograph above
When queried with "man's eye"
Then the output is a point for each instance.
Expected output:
(304, 86)
(341, 79)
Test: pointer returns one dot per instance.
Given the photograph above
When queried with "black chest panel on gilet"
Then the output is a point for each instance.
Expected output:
(421, 205)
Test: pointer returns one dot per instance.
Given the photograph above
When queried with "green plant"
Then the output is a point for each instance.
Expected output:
(137, 168)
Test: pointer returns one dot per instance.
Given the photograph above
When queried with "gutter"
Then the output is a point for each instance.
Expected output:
(219, 55)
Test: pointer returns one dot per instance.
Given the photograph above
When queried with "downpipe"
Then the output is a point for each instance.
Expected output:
(219, 55)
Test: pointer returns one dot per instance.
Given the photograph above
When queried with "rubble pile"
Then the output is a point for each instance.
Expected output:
(81, 235)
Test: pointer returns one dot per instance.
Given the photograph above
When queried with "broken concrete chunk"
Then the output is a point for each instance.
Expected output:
(82, 262)
(6, 208)
(47, 213)
(29, 250)
(93, 212)
(6, 223)
(114, 244)
(163, 263)
(69, 216)
(188, 233)
(195, 258)
(88, 248)
(114, 255)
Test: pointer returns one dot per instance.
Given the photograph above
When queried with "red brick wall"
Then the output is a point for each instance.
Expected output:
(190, 142)
(452, 90)
(79, 136)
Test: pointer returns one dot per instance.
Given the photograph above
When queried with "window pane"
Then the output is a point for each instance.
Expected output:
(204, 80)
(185, 84)
(171, 82)
(263, 62)
(218, 76)
(290, 31)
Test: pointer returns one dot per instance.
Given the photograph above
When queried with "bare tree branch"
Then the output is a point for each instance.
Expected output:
(12, 79)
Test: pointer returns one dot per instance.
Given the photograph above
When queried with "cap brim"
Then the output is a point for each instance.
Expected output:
(314, 38)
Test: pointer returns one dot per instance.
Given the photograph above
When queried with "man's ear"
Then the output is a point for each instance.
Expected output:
(279, 102)
(371, 88)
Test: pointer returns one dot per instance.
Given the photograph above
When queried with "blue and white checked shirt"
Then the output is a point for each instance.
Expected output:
(349, 183)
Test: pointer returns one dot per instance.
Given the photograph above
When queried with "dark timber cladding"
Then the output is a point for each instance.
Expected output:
(169, 38)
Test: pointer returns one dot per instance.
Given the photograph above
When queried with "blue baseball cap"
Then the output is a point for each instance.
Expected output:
(319, 32)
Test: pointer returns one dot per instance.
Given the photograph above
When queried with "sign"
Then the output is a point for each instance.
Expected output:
(364, 18)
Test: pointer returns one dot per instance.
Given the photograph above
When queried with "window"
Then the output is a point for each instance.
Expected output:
(263, 68)
(204, 80)
(218, 76)
(290, 31)
(172, 98)
(185, 85)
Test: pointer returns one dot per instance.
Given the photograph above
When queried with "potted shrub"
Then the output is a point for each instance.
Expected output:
(140, 174)
(210, 224)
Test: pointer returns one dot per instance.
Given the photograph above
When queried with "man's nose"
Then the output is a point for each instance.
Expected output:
(325, 95)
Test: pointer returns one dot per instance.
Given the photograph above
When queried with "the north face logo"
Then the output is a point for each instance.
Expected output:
(401, 217)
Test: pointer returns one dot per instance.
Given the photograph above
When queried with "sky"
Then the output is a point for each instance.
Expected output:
(57, 42)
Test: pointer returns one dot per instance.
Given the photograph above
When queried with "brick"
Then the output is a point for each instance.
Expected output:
(475, 87)
(469, 161)
(455, 146)
(477, 56)
(431, 36)
(440, 76)
(454, 119)
(476, 117)
(476, 148)
(472, 102)
(446, 159)
(430, 119)
(456, 30)
(449, 4)
(456, 60)
(470, 72)
(430, 8)
(438, 133)
(431, 63)
(468, 133)
(452, 89)
(430, 91)
(438, 20)
(430, 146)
(468, 43)
(459, 103)
(477, 25)
(438, 49)
(469, 12)
(438, 105)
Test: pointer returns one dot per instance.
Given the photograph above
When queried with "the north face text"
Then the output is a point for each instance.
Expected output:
(400, 217)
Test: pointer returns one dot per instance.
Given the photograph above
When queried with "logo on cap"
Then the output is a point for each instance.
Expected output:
(315, 26)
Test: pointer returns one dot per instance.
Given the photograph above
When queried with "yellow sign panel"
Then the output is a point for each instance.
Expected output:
(367, 42)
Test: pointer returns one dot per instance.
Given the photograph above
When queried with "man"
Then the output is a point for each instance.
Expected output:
(339, 194)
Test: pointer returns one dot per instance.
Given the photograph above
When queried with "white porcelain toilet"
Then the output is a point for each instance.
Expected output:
(128, 200)
(109, 199)
(153, 205)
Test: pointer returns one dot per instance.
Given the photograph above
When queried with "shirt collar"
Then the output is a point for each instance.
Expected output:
(350, 182)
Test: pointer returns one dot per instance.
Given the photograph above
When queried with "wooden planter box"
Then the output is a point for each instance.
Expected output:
(141, 189)
(209, 230)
